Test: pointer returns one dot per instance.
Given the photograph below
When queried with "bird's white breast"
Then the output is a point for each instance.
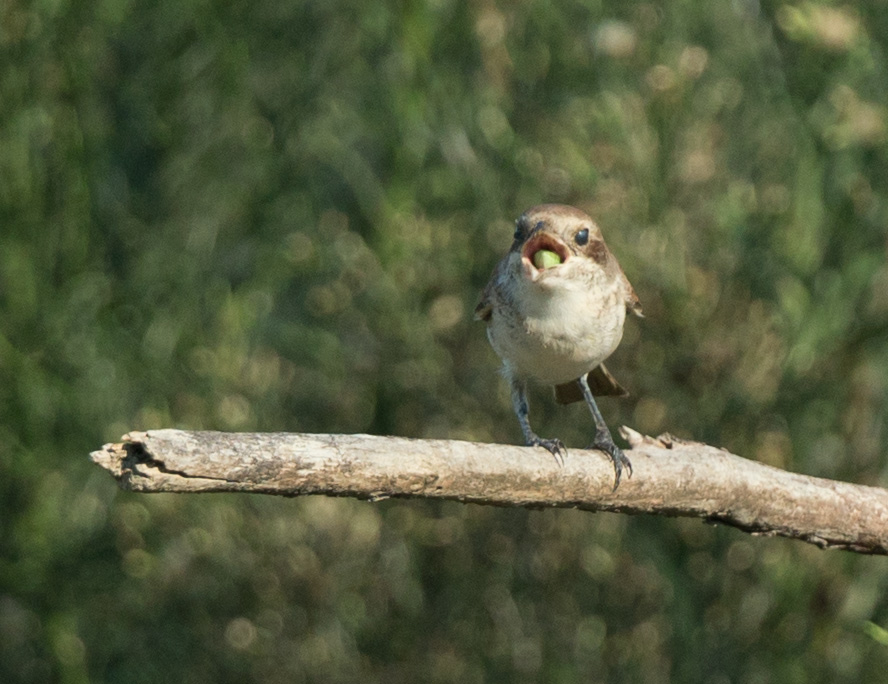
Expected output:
(558, 328)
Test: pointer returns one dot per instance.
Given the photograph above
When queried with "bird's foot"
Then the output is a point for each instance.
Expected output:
(604, 442)
(553, 446)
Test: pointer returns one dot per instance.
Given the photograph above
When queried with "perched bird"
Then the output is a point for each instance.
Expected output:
(554, 308)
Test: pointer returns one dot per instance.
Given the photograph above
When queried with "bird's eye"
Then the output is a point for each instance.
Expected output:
(519, 232)
(582, 236)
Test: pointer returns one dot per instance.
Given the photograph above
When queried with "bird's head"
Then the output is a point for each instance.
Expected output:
(555, 239)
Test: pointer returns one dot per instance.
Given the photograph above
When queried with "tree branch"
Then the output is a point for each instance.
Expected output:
(671, 477)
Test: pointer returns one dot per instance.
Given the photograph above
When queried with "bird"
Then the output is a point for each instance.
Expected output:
(555, 307)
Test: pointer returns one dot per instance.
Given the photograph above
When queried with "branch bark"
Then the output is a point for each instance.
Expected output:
(671, 477)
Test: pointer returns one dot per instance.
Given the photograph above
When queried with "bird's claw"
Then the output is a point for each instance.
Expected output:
(605, 443)
(553, 446)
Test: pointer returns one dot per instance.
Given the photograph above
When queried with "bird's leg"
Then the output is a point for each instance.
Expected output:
(519, 403)
(603, 439)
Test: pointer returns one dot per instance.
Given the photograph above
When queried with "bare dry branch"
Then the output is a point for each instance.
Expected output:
(671, 477)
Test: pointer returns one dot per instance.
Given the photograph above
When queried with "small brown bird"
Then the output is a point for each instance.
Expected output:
(555, 307)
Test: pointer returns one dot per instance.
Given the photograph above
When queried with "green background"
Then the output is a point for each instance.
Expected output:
(278, 216)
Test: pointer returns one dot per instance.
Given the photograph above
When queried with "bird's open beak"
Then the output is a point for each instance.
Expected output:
(534, 257)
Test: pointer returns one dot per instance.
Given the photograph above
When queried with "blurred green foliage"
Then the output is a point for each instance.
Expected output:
(278, 216)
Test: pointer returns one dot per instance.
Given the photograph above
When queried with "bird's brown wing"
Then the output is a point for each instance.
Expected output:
(601, 382)
(484, 309)
(632, 302)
